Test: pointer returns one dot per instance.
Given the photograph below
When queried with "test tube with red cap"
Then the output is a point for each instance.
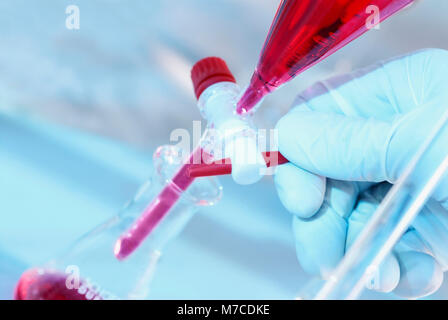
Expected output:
(214, 82)
(204, 74)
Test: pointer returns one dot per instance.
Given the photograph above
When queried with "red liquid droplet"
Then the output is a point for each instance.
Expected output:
(39, 284)
(305, 32)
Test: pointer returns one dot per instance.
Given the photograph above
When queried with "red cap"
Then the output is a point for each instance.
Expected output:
(209, 71)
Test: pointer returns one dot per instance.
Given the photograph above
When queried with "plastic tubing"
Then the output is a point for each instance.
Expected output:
(224, 166)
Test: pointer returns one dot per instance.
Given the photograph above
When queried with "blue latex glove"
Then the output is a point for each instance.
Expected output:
(347, 139)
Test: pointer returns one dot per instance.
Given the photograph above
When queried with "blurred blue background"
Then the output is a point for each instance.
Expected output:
(81, 112)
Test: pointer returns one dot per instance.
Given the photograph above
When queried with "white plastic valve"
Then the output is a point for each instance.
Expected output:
(217, 105)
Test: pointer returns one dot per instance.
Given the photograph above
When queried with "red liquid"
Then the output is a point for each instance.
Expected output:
(224, 166)
(157, 209)
(303, 33)
(39, 284)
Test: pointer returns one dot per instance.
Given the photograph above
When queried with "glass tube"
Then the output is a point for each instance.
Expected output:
(389, 222)
(89, 270)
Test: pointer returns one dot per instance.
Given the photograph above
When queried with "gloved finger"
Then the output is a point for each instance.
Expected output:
(411, 272)
(336, 146)
(382, 90)
(387, 276)
(420, 273)
(320, 240)
(316, 134)
(432, 225)
(300, 191)
(412, 132)
(412, 241)
(352, 148)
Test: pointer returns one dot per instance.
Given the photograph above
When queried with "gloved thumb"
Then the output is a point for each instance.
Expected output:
(353, 148)
(335, 145)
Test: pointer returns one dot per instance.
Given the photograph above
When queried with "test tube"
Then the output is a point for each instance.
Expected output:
(89, 270)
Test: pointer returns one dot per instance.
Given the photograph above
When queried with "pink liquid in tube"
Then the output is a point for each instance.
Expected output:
(305, 32)
(204, 74)
(156, 210)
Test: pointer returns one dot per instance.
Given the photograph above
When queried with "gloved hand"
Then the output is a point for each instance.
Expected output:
(348, 139)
